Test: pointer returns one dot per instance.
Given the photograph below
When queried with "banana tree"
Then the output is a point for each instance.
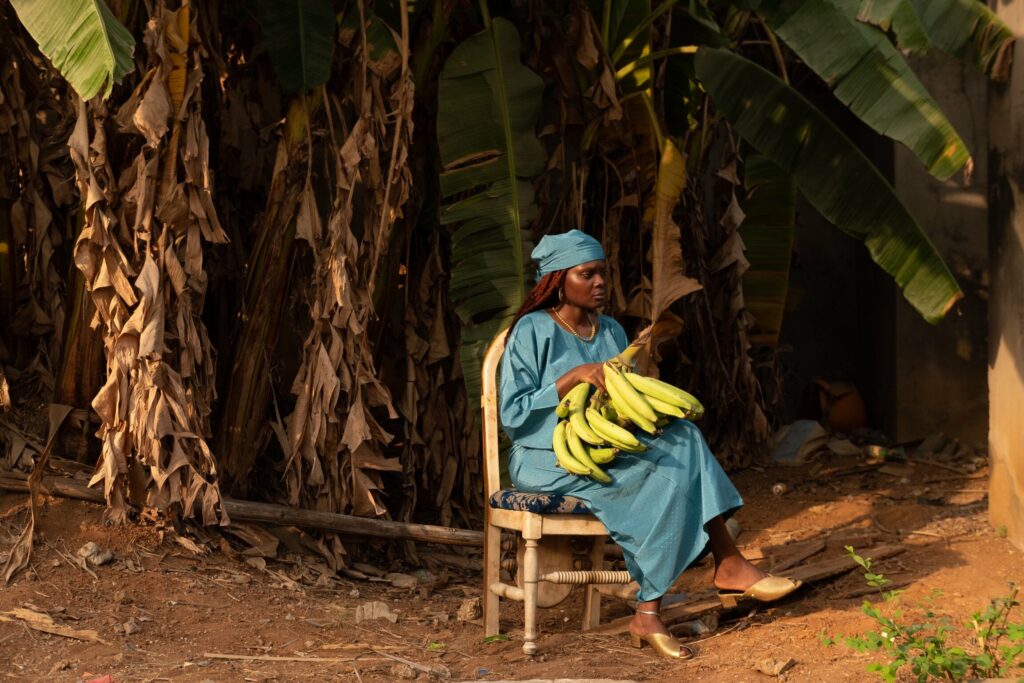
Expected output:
(300, 39)
(488, 106)
(83, 40)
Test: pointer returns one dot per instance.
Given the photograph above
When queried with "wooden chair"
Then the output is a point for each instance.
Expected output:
(545, 525)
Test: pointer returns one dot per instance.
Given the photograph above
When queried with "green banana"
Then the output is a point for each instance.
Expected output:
(664, 391)
(562, 453)
(579, 452)
(618, 437)
(602, 456)
(665, 408)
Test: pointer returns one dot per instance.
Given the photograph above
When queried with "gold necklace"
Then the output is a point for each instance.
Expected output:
(570, 328)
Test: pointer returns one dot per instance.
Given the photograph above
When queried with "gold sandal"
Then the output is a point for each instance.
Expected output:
(768, 589)
(663, 644)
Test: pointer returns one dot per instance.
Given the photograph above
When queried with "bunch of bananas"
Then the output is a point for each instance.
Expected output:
(593, 429)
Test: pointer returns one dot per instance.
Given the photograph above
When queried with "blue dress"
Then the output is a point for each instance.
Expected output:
(660, 500)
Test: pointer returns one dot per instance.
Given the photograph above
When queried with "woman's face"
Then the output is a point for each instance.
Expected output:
(585, 285)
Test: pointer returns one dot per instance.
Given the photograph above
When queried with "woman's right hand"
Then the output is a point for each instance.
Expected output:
(592, 373)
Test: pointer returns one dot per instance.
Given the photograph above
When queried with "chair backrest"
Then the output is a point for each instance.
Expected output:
(489, 413)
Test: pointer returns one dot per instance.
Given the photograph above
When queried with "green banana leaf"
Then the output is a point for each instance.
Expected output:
(831, 172)
(488, 106)
(384, 53)
(869, 76)
(83, 39)
(953, 26)
(626, 30)
(300, 39)
(767, 233)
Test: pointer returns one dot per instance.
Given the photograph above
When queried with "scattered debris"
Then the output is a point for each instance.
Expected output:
(780, 488)
(399, 580)
(44, 623)
(92, 553)
(844, 447)
(438, 670)
(470, 609)
(797, 442)
(369, 611)
(404, 672)
(775, 667)
(368, 569)
(131, 627)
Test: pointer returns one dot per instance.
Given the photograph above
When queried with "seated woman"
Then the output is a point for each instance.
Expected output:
(666, 507)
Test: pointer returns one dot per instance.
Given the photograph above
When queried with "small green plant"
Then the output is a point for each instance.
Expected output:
(925, 646)
(500, 637)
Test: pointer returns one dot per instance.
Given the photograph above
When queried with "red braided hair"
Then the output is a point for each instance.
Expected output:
(543, 295)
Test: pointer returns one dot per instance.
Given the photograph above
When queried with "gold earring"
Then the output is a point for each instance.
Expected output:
(561, 295)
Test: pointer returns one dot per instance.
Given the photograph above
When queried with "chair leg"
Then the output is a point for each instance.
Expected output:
(492, 574)
(530, 596)
(592, 597)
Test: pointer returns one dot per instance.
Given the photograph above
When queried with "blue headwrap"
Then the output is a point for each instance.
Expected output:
(558, 252)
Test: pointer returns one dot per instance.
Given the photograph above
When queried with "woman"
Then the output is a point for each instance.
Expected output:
(667, 506)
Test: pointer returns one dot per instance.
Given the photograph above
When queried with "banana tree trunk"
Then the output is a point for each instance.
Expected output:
(247, 403)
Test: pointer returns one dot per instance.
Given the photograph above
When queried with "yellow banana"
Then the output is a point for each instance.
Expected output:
(562, 453)
(583, 430)
(577, 396)
(665, 408)
(612, 433)
(579, 452)
(562, 409)
(664, 391)
(628, 403)
(602, 455)
(615, 381)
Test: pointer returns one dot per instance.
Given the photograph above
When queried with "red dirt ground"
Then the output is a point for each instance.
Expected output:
(189, 606)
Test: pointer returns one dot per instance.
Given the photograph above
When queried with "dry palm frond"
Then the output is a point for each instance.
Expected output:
(335, 440)
(36, 200)
(141, 252)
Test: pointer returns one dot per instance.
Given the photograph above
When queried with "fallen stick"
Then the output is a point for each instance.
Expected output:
(441, 670)
(977, 475)
(452, 560)
(273, 658)
(281, 515)
(941, 466)
(44, 623)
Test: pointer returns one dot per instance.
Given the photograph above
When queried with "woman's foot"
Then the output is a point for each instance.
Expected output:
(646, 624)
(735, 573)
(646, 628)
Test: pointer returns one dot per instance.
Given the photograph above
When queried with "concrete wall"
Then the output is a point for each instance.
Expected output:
(846, 319)
(940, 372)
(1006, 306)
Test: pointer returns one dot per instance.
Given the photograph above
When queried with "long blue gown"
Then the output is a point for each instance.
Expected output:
(660, 500)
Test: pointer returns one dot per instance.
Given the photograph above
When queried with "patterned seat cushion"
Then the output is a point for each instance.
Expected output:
(540, 503)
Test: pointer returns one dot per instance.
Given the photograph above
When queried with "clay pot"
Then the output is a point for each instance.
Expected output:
(842, 406)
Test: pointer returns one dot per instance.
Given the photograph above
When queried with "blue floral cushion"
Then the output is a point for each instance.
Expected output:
(540, 503)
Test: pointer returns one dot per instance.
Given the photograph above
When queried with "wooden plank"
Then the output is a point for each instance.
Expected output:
(281, 515)
(808, 551)
(807, 573)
